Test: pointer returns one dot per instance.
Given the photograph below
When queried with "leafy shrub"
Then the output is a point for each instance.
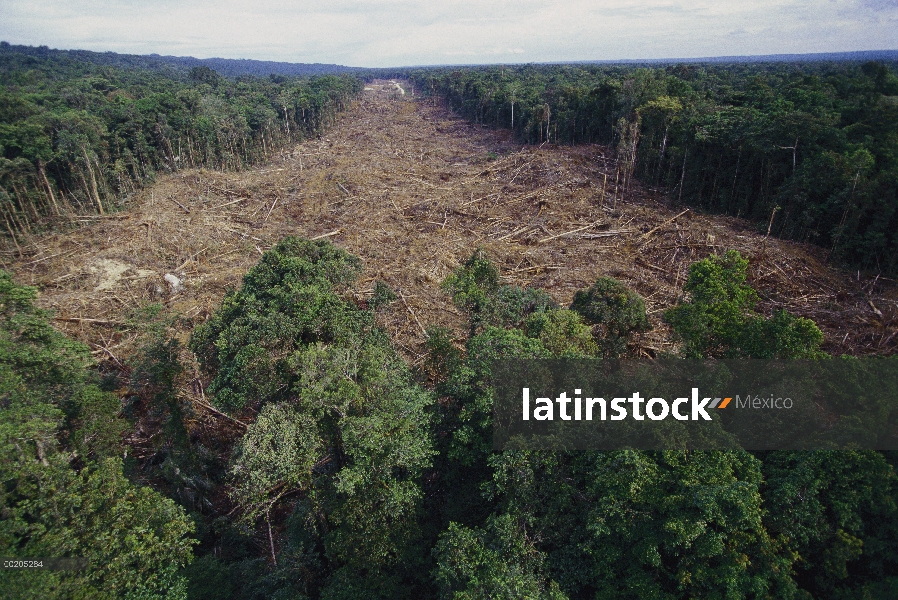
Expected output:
(475, 288)
(383, 295)
(617, 311)
(562, 332)
(721, 322)
(783, 335)
(510, 305)
(472, 284)
(290, 299)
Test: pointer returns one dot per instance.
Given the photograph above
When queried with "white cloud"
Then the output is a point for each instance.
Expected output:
(405, 32)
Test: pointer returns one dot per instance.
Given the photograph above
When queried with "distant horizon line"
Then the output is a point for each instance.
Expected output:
(887, 54)
(784, 57)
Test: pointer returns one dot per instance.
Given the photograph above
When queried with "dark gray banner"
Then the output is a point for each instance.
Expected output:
(676, 404)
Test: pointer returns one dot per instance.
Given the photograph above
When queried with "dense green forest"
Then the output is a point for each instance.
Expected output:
(78, 136)
(339, 471)
(809, 150)
(355, 476)
(227, 67)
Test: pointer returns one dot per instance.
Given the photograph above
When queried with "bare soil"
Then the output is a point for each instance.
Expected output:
(412, 190)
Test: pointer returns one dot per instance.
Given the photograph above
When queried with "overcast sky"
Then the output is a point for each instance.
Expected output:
(380, 33)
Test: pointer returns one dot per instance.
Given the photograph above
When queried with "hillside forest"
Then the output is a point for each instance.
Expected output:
(339, 468)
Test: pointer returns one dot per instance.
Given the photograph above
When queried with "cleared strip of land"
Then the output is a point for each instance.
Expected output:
(413, 190)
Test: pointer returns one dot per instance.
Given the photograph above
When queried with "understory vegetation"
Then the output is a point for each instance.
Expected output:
(64, 491)
(808, 151)
(354, 476)
(77, 136)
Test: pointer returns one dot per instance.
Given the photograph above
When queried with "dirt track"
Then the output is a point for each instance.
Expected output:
(413, 190)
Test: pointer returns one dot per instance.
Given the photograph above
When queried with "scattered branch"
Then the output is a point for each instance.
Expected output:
(648, 233)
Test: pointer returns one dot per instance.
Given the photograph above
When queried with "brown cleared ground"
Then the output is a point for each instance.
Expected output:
(413, 190)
